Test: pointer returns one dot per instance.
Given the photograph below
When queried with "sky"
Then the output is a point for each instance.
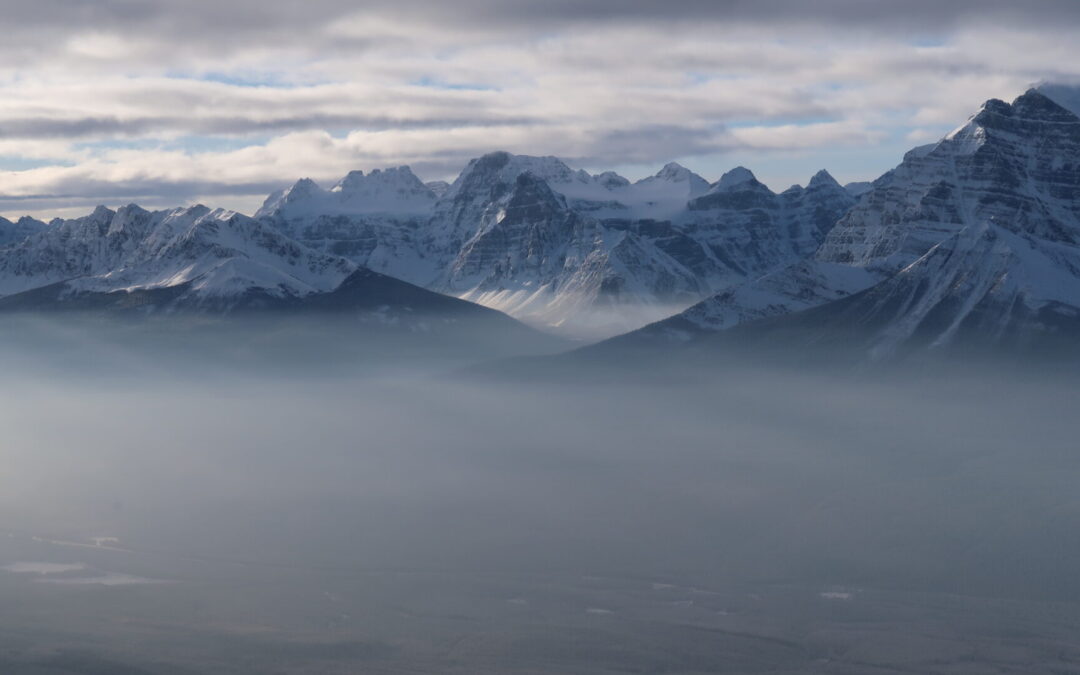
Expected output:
(222, 101)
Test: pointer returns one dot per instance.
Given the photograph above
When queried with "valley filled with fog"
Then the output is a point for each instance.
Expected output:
(223, 515)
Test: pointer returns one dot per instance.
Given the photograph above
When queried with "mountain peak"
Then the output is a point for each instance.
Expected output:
(823, 179)
(610, 179)
(302, 188)
(351, 181)
(400, 178)
(737, 177)
(1033, 104)
(102, 212)
(676, 172)
(1064, 95)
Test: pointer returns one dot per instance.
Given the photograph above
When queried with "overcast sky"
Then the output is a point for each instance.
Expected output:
(220, 101)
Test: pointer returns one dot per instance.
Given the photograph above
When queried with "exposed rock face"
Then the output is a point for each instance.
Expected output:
(977, 235)
(590, 255)
(1011, 165)
(375, 220)
(213, 254)
(15, 233)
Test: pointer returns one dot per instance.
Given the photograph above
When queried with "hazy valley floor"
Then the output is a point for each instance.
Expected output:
(221, 519)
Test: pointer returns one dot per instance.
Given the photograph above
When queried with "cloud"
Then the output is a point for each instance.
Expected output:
(156, 100)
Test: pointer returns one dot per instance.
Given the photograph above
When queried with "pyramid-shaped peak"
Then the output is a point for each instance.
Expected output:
(352, 181)
(737, 177)
(675, 172)
(823, 179)
(1034, 104)
(303, 186)
(1066, 96)
(1031, 105)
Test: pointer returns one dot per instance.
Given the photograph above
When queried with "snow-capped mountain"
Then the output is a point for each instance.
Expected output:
(978, 234)
(523, 235)
(583, 253)
(12, 233)
(374, 220)
(218, 257)
(590, 255)
(390, 191)
(985, 285)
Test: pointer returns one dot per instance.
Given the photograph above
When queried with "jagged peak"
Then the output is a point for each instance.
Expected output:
(351, 180)
(194, 210)
(1065, 95)
(823, 179)
(227, 215)
(131, 208)
(674, 171)
(1037, 105)
(737, 178)
(610, 179)
(1031, 105)
(355, 180)
(503, 167)
(546, 166)
(303, 185)
(127, 216)
(102, 212)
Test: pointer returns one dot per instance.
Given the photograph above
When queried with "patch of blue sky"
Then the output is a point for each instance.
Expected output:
(16, 163)
(701, 77)
(928, 41)
(271, 80)
(187, 144)
(436, 83)
(781, 121)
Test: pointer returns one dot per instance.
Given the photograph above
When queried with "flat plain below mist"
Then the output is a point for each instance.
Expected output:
(752, 519)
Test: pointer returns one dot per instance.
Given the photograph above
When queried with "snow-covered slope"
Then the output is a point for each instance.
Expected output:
(584, 254)
(375, 220)
(541, 261)
(1066, 96)
(220, 258)
(590, 255)
(984, 285)
(389, 191)
(14, 233)
(977, 233)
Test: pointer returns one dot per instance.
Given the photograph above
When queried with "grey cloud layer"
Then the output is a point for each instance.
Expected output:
(287, 16)
(155, 100)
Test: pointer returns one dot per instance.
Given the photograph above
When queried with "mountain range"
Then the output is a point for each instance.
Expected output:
(973, 238)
